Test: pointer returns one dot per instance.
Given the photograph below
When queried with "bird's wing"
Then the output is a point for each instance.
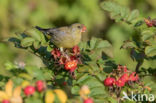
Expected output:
(61, 35)
(58, 31)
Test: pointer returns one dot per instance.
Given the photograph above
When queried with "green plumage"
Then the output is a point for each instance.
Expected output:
(65, 37)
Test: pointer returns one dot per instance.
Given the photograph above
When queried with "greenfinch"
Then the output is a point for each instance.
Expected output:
(65, 37)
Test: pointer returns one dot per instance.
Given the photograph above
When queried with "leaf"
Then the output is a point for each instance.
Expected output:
(138, 23)
(112, 100)
(101, 76)
(16, 99)
(108, 69)
(3, 95)
(49, 48)
(150, 84)
(150, 50)
(147, 34)
(83, 68)
(49, 96)
(35, 72)
(102, 44)
(36, 44)
(97, 46)
(16, 41)
(133, 15)
(94, 67)
(118, 12)
(9, 87)
(92, 43)
(35, 34)
(25, 76)
(96, 87)
(83, 45)
(32, 100)
(28, 41)
(75, 90)
(83, 78)
(61, 95)
(128, 44)
(17, 92)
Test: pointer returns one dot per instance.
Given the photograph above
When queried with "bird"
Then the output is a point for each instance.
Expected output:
(66, 36)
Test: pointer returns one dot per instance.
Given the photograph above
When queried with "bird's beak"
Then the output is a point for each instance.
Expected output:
(83, 28)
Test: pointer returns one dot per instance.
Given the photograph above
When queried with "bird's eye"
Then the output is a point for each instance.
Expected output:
(79, 27)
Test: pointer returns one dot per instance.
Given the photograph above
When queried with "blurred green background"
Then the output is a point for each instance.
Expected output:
(19, 15)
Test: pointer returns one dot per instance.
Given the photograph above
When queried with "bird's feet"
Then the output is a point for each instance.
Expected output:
(64, 54)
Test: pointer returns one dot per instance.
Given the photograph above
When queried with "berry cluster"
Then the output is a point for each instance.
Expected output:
(69, 60)
(120, 77)
(150, 22)
(39, 86)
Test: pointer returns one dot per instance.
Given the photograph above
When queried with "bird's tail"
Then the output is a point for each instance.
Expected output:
(41, 29)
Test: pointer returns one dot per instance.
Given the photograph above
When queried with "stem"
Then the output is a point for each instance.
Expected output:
(119, 100)
(138, 66)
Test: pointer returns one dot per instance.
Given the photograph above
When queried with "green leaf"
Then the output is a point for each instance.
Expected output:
(83, 78)
(97, 88)
(28, 41)
(128, 44)
(102, 44)
(119, 12)
(75, 90)
(97, 46)
(36, 44)
(112, 100)
(133, 15)
(33, 100)
(150, 50)
(35, 72)
(150, 84)
(101, 76)
(92, 43)
(147, 34)
(49, 48)
(34, 33)
(138, 23)
(83, 68)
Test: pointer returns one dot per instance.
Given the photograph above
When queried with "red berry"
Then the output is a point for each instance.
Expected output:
(40, 86)
(56, 53)
(133, 77)
(109, 81)
(62, 60)
(154, 22)
(76, 50)
(88, 100)
(64, 83)
(73, 58)
(120, 83)
(119, 67)
(124, 77)
(5, 101)
(124, 68)
(136, 77)
(29, 90)
(71, 65)
(148, 22)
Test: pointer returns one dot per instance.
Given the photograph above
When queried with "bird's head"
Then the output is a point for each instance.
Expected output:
(78, 27)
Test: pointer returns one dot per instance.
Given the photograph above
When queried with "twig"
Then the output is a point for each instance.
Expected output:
(138, 66)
